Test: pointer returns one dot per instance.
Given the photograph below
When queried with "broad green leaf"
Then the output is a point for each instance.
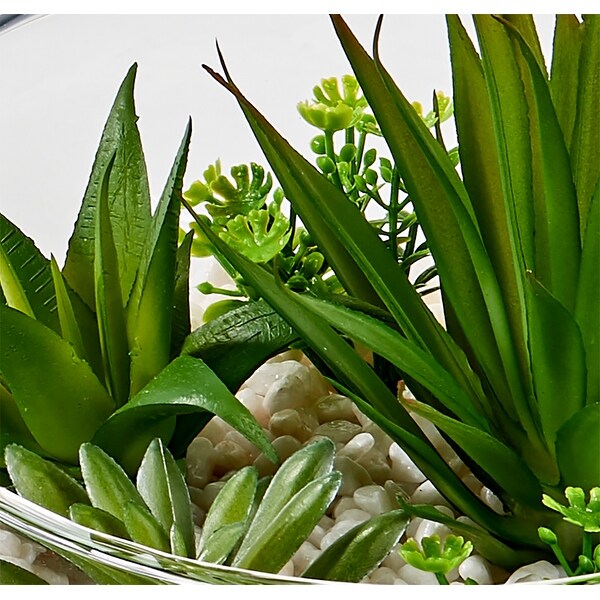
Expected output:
(180, 323)
(237, 343)
(59, 397)
(402, 353)
(107, 485)
(270, 547)
(221, 542)
(355, 554)
(587, 314)
(109, 306)
(150, 307)
(578, 448)
(558, 361)
(143, 527)
(11, 574)
(585, 150)
(557, 221)
(42, 482)
(564, 74)
(486, 545)
(69, 328)
(231, 507)
(507, 469)
(128, 199)
(445, 214)
(97, 519)
(184, 387)
(162, 486)
(25, 275)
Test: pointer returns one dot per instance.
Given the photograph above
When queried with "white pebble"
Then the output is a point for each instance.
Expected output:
(342, 505)
(10, 544)
(414, 576)
(393, 560)
(491, 500)
(288, 569)
(354, 475)
(403, 468)
(358, 446)
(304, 556)
(316, 535)
(336, 532)
(285, 446)
(427, 494)
(376, 464)
(374, 499)
(413, 526)
(339, 430)
(199, 462)
(291, 389)
(476, 568)
(428, 528)
(215, 430)
(291, 421)
(229, 456)
(335, 407)
(255, 404)
(354, 514)
(383, 576)
(538, 571)
(472, 482)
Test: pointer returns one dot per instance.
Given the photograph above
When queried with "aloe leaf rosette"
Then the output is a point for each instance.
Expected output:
(90, 352)
(512, 379)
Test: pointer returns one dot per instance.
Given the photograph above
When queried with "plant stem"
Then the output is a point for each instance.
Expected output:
(586, 545)
(442, 580)
(329, 151)
(393, 214)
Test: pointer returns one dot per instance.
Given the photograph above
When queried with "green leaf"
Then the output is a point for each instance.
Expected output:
(580, 513)
(97, 519)
(25, 275)
(507, 469)
(435, 556)
(270, 547)
(184, 387)
(150, 307)
(578, 448)
(42, 482)
(585, 150)
(162, 486)
(180, 324)
(107, 485)
(143, 527)
(558, 361)
(58, 395)
(11, 574)
(231, 510)
(355, 554)
(237, 343)
(109, 307)
(128, 200)
(69, 327)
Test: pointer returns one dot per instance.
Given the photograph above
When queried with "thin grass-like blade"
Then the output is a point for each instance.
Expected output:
(150, 308)
(128, 199)
(181, 321)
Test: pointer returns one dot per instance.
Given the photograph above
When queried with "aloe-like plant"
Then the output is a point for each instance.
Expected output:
(512, 381)
(91, 353)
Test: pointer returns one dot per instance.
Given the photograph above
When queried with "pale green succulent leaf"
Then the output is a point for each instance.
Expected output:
(97, 519)
(143, 528)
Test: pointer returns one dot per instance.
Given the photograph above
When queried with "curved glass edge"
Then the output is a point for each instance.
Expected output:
(62, 535)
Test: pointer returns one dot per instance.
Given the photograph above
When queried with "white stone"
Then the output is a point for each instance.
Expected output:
(341, 505)
(428, 528)
(476, 568)
(291, 387)
(294, 422)
(215, 430)
(358, 446)
(427, 494)
(10, 544)
(472, 482)
(354, 514)
(414, 576)
(374, 499)
(255, 404)
(339, 430)
(383, 576)
(403, 468)
(288, 569)
(285, 446)
(335, 407)
(393, 560)
(382, 440)
(354, 475)
(399, 581)
(229, 456)
(413, 526)
(377, 465)
(316, 535)
(304, 556)
(336, 532)
(360, 417)
(538, 571)
(491, 500)
(246, 445)
(200, 462)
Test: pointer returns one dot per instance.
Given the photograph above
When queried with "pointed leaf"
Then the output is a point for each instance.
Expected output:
(143, 527)
(356, 553)
(185, 386)
(11, 574)
(106, 483)
(25, 275)
(150, 307)
(221, 542)
(161, 484)
(181, 325)
(42, 482)
(58, 395)
(128, 199)
(97, 519)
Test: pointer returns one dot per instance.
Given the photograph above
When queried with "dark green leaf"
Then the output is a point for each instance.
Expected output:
(181, 326)
(185, 386)
(143, 527)
(354, 555)
(237, 343)
(11, 574)
(58, 395)
(97, 519)
(221, 542)
(42, 482)
(150, 307)
(128, 199)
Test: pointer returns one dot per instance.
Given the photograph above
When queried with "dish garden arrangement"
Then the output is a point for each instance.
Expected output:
(323, 424)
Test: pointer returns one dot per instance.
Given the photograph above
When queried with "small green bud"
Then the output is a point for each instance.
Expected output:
(297, 283)
(205, 287)
(585, 565)
(434, 555)
(547, 536)
(369, 157)
(348, 152)
(326, 165)
(597, 556)
(312, 264)
(371, 176)
(317, 144)
(361, 184)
